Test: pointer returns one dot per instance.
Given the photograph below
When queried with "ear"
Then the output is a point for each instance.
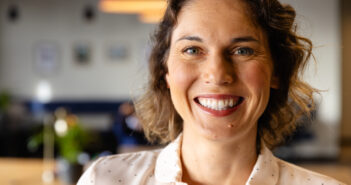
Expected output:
(167, 79)
(275, 82)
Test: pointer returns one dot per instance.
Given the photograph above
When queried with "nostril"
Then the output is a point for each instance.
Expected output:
(219, 80)
(218, 76)
(228, 79)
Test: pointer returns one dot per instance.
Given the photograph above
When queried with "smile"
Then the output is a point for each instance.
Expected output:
(219, 105)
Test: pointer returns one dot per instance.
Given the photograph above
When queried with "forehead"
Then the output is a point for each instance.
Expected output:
(216, 6)
(215, 18)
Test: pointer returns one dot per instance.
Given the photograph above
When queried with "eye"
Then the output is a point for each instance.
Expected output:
(244, 51)
(192, 51)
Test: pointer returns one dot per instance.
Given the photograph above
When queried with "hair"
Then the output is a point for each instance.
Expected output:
(290, 54)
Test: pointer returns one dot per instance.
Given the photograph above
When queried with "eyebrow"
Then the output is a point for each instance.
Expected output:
(234, 40)
(244, 39)
(192, 38)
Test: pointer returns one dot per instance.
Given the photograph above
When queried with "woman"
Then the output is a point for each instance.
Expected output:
(224, 77)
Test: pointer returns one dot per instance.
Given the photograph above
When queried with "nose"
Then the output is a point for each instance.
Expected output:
(218, 70)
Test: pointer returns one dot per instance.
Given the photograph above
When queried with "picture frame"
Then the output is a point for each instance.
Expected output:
(117, 52)
(47, 58)
(82, 53)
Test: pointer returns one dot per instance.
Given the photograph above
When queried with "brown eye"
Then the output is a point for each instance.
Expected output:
(244, 51)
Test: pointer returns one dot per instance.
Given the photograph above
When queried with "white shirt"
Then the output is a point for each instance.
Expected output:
(163, 167)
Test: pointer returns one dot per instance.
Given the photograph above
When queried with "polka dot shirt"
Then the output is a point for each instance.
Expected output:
(163, 167)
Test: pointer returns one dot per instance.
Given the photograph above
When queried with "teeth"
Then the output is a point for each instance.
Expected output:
(220, 104)
(215, 104)
(208, 102)
(231, 103)
(203, 101)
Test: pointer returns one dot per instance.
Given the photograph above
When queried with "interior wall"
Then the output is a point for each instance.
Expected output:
(61, 23)
(319, 20)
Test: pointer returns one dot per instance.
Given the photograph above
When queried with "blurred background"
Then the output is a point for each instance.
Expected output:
(69, 71)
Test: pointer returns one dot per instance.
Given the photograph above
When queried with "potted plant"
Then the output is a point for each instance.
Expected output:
(71, 145)
(70, 141)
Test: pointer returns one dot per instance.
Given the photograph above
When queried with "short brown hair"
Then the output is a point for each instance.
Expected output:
(290, 54)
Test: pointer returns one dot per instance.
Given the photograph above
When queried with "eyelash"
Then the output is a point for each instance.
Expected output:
(191, 48)
(249, 51)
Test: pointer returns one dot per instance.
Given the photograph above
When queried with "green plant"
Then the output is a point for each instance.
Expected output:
(4, 100)
(70, 144)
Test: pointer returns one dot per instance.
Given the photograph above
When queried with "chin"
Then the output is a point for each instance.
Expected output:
(219, 134)
(225, 132)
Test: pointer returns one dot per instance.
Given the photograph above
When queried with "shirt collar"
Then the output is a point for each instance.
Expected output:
(168, 167)
(266, 169)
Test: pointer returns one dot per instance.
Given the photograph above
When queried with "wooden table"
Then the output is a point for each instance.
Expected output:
(15, 171)
(341, 172)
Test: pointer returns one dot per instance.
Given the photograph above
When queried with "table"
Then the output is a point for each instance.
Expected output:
(19, 171)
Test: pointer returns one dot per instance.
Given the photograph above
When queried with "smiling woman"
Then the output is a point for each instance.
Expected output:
(232, 63)
(268, 31)
(225, 75)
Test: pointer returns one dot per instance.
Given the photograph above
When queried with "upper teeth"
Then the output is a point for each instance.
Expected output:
(218, 104)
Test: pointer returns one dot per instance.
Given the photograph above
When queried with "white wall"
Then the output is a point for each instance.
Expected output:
(61, 22)
(319, 20)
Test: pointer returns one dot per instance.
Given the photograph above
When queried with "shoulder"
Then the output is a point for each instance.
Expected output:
(120, 168)
(293, 174)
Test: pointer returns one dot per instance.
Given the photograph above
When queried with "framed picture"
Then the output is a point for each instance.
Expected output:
(82, 53)
(46, 58)
(117, 52)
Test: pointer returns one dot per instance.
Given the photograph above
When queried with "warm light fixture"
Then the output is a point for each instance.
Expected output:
(149, 11)
(151, 16)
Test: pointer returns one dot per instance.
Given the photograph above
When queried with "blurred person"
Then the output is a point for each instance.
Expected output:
(127, 128)
(224, 76)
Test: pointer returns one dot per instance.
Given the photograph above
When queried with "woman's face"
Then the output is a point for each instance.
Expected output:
(219, 69)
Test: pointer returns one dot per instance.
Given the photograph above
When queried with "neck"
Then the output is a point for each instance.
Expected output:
(209, 162)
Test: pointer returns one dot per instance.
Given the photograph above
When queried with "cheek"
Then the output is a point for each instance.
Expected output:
(180, 76)
(257, 76)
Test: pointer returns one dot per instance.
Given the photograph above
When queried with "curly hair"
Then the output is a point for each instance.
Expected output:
(290, 53)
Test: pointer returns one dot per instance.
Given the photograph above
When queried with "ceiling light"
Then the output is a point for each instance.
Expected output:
(148, 10)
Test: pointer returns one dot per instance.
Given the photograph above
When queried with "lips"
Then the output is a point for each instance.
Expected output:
(219, 105)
